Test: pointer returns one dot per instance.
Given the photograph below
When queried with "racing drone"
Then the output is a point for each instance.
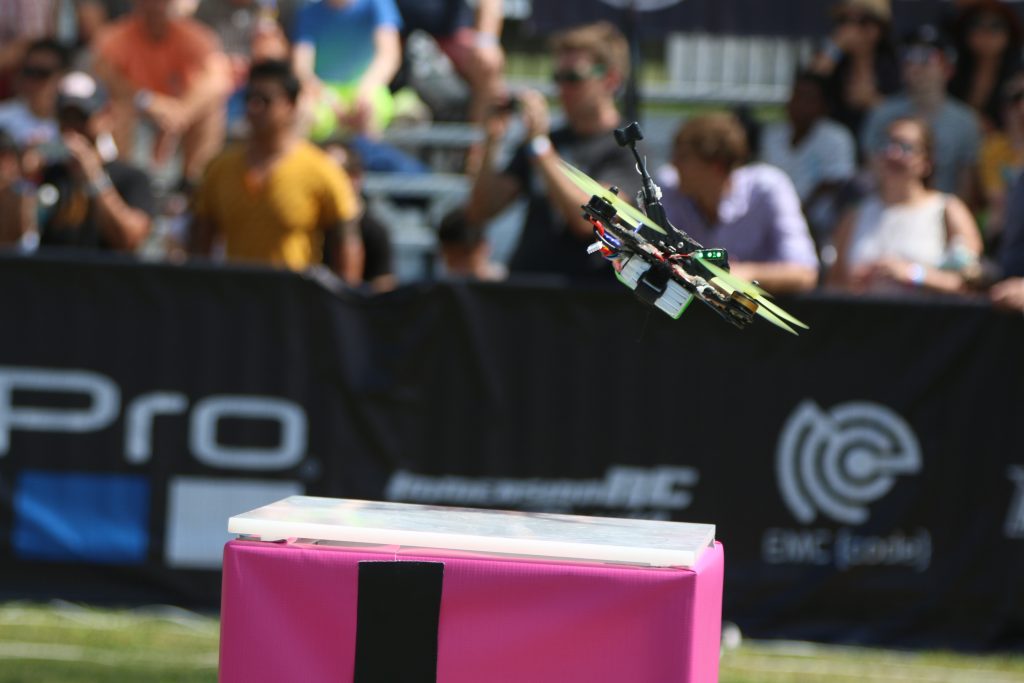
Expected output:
(665, 267)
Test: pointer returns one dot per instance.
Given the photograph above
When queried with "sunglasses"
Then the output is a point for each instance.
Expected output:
(858, 19)
(565, 76)
(37, 72)
(904, 148)
(260, 98)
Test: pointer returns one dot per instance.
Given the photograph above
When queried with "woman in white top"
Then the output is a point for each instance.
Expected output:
(905, 235)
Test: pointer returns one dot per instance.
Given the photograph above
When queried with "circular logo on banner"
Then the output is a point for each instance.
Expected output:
(837, 462)
(642, 5)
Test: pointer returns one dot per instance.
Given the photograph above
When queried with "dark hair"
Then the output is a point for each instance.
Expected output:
(54, 48)
(804, 75)
(455, 230)
(280, 71)
(963, 78)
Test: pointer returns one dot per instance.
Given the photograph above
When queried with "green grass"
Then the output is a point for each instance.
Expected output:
(74, 645)
(71, 644)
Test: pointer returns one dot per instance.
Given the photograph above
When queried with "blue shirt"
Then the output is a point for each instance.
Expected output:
(343, 36)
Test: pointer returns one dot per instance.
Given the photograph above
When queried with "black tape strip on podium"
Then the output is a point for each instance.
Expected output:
(397, 621)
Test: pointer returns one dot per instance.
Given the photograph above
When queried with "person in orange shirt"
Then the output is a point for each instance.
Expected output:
(273, 198)
(171, 71)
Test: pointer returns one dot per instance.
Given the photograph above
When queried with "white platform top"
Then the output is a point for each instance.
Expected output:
(601, 539)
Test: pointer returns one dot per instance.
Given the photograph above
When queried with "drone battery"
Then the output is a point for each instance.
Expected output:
(672, 299)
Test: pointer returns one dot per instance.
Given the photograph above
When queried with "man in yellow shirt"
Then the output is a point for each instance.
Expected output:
(272, 199)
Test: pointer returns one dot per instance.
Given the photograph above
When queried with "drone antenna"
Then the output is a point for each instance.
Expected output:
(628, 137)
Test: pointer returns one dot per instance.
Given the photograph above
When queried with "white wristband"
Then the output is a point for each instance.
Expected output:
(484, 39)
(540, 145)
(917, 274)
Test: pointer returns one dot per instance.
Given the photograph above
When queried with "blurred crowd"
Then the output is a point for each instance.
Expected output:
(895, 168)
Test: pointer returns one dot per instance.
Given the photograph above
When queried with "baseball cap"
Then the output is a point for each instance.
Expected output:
(928, 35)
(79, 90)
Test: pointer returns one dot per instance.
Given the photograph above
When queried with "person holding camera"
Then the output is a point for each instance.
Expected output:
(591, 63)
(84, 197)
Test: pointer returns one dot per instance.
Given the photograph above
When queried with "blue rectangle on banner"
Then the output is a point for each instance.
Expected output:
(81, 517)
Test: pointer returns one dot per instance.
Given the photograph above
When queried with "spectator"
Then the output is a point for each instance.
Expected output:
(95, 200)
(907, 235)
(30, 118)
(988, 45)
(171, 71)
(346, 53)
(859, 61)
(378, 271)
(21, 22)
(471, 41)
(465, 253)
(753, 211)
(927, 67)
(591, 63)
(818, 154)
(1002, 157)
(272, 199)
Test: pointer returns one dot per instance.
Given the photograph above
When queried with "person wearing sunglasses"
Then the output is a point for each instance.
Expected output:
(906, 236)
(928, 61)
(273, 198)
(88, 198)
(590, 64)
(30, 118)
(859, 60)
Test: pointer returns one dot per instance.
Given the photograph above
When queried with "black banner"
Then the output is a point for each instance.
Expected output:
(866, 478)
(791, 18)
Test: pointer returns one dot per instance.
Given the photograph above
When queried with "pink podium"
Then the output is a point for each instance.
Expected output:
(291, 607)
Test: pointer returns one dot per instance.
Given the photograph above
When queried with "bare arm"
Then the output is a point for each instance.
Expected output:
(564, 195)
(490, 17)
(839, 274)
(387, 58)
(1008, 294)
(350, 255)
(778, 278)
(213, 82)
(124, 226)
(19, 205)
(304, 61)
(492, 191)
(961, 227)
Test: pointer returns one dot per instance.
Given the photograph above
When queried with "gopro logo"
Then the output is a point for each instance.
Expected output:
(103, 405)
